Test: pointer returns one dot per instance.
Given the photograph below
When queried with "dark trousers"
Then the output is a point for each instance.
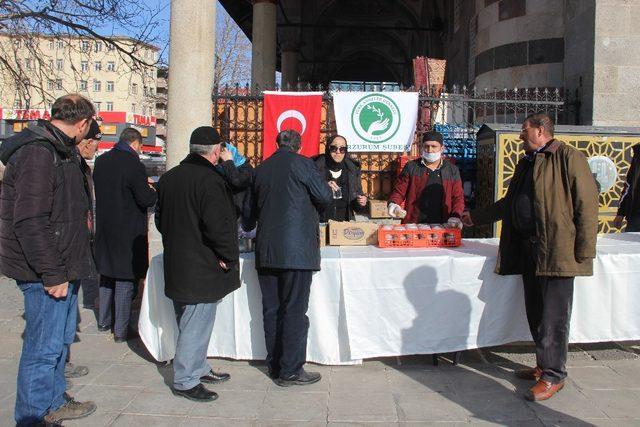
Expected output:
(115, 298)
(285, 299)
(548, 302)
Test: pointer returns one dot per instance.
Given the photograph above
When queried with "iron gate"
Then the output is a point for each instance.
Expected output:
(456, 113)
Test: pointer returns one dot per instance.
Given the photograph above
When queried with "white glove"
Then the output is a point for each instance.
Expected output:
(454, 222)
(394, 210)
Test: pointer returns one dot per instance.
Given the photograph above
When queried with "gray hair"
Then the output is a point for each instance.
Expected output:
(203, 150)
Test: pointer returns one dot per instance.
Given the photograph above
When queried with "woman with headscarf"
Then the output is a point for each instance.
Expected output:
(343, 176)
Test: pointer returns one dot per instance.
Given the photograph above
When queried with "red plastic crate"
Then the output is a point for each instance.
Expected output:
(445, 237)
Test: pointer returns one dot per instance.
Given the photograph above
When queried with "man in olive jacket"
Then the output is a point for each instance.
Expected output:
(549, 226)
(286, 193)
(196, 216)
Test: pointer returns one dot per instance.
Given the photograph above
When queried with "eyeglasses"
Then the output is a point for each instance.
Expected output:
(336, 149)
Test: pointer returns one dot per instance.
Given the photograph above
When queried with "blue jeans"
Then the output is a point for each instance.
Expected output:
(50, 329)
(195, 324)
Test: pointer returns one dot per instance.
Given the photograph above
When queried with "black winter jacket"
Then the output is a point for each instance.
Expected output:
(44, 208)
(196, 217)
(629, 206)
(287, 192)
(352, 190)
(122, 199)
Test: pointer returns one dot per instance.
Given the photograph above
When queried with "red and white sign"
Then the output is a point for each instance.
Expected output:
(24, 114)
(299, 111)
(126, 117)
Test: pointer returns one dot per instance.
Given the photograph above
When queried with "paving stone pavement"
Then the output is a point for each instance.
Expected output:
(130, 389)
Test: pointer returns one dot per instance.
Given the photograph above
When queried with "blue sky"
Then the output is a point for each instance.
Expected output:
(163, 7)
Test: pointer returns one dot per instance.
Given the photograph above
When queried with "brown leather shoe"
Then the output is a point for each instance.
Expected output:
(543, 390)
(529, 373)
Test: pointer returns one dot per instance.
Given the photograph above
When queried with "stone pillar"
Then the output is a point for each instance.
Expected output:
(289, 67)
(191, 61)
(263, 42)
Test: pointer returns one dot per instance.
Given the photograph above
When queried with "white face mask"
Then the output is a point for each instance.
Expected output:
(431, 157)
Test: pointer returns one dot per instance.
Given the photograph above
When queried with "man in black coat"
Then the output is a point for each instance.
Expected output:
(123, 195)
(287, 192)
(196, 217)
(44, 246)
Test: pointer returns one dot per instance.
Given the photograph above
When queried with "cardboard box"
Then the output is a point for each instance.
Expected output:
(378, 209)
(323, 235)
(352, 233)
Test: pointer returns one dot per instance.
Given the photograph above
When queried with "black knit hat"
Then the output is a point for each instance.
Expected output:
(432, 136)
(204, 135)
(94, 131)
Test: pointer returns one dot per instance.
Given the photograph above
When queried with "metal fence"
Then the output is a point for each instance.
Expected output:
(457, 113)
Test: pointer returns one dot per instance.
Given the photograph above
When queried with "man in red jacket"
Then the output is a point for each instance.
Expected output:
(430, 187)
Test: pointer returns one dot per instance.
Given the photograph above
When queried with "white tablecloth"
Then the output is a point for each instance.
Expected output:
(369, 302)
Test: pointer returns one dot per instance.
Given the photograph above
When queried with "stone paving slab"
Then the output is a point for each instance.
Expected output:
(131, 389)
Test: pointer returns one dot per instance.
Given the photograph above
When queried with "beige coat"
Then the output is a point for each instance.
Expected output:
(566, 213)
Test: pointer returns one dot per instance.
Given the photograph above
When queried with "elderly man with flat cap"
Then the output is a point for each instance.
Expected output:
(196, 216)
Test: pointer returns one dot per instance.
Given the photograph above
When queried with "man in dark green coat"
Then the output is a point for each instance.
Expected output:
(196, 216)
(549, 227)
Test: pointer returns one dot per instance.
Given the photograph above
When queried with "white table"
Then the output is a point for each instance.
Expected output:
(370, 302)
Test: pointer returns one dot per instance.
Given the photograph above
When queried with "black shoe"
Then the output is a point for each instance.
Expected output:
(131, 335)
(303, 378)
(198, 393)
(215, 377)
(103, 328)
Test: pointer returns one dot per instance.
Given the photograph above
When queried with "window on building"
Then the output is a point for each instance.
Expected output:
(28, 63)
(133, 107)
(97, 47)
(83, 85)
(17, 44)
(84, 65)
(97, 85)
(145, 90)
(59, 84)
(151, 111)
(17, 104)
(134, 88)
(50, 84)
(97, 66)
(111, 66)
(109, 106)
(51, 64)
(59, 64)
(84, 46)
(97, 104)
(60, 44)
(51, 45)
(144, 110)
(110, 86)
(110, 47)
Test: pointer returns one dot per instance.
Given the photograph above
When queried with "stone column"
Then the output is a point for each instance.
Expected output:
(289, 66)
(263, 42)
(191, 60)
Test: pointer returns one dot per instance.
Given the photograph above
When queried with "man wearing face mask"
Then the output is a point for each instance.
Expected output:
(44, 246)
(430, 187)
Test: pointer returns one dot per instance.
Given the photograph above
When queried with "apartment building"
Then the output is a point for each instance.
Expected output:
(42, 68)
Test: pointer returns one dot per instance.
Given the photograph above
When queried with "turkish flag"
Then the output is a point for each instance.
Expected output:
(299, 111)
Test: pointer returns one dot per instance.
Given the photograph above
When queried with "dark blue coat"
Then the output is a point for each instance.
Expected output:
(287, 193)
(122, 199)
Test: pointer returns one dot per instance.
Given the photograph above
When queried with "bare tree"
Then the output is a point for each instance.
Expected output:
(233, 53)
(30, 29)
